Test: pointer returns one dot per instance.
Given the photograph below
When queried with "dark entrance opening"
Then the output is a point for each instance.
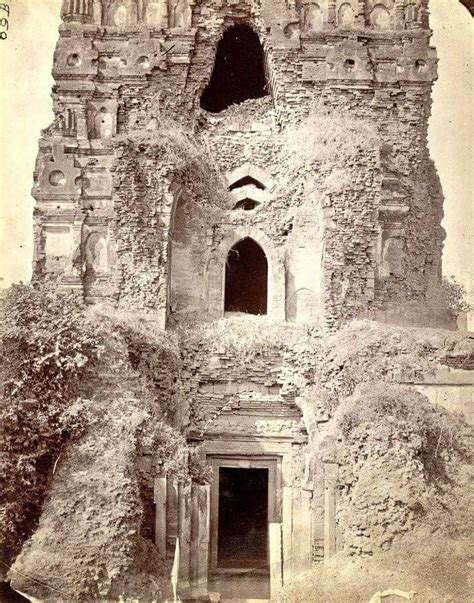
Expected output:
(243, 518)
(8, 595)
(246, 278)
(239, 70)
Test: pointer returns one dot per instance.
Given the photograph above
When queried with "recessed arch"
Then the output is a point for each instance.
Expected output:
(346, 16)
(246, 278)
(249, 174)
(216, 267)
(239, 70)
(246, 181)
(247, 204)
(380, 17)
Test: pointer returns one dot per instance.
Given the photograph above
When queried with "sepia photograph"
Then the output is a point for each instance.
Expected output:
(236, 301)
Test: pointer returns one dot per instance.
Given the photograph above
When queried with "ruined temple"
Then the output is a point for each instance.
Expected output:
(253, 231)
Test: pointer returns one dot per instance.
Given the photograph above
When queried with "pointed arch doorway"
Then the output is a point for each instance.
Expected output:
(246, 278)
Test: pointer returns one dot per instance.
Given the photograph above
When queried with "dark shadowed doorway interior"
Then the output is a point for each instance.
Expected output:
(246, 278)
(243, 518)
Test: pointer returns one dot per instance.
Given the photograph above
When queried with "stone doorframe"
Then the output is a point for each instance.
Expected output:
(291, 506)
(216, 273)
(273, 464)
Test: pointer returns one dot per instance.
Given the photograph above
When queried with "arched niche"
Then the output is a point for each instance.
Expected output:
(249, 174)
(345, 16)
(122, 13)
(156, 14)
(379, 18)
(104, 124)
(216, 273)
(392, 256)
(312, 18)
(181, 14)
(246, 278)
(187, 257)
(96, 254)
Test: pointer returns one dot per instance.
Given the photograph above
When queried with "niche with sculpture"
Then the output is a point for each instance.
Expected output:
(379, 18)
(156, 14)
(102, 120)
(180, 14)
(345, 16)
(312, 18)
(96, 254)
(122, 12)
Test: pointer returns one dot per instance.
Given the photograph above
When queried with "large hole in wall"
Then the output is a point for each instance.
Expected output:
(246, 278)
(239, 70)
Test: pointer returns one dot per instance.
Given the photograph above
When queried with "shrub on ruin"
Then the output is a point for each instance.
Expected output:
(330, 135)
(244, 336)
(46, 344)
(402, 459)
(366, 351)
(398, 455)
(455, 296)
(85, 459)
(434, 569)
(184, 160)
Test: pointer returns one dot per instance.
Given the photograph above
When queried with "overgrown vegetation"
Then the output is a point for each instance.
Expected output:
(404, 463)
(86, 396)
(455, 296)
(243, 337)
(329, 135)
(434, 569)
(89, 393)
(188, 162)
(47, 344)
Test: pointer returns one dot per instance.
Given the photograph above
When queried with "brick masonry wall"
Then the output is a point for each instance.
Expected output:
(115, 69)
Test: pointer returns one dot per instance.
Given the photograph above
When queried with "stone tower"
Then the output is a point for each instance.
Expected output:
(244, 156)
(338, 237)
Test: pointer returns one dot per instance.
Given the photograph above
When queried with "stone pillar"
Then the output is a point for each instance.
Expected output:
(287, 533)
(200, 524)
(215, 288)
(72, 276)
(361, 17)
(184, 532)
(275, 555)
(77, 10)
(306, 545)
(399, 14)
(276, 293)
(330, 481)
(160, 514)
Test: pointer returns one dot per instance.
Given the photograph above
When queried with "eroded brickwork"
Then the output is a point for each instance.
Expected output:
(117, 221)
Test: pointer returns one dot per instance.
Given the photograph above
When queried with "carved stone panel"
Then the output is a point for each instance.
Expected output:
(102, 119)
(156, 14)
(77, 59)
(122, 13)
(312, 18)
(57, 173)
(181, 14)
